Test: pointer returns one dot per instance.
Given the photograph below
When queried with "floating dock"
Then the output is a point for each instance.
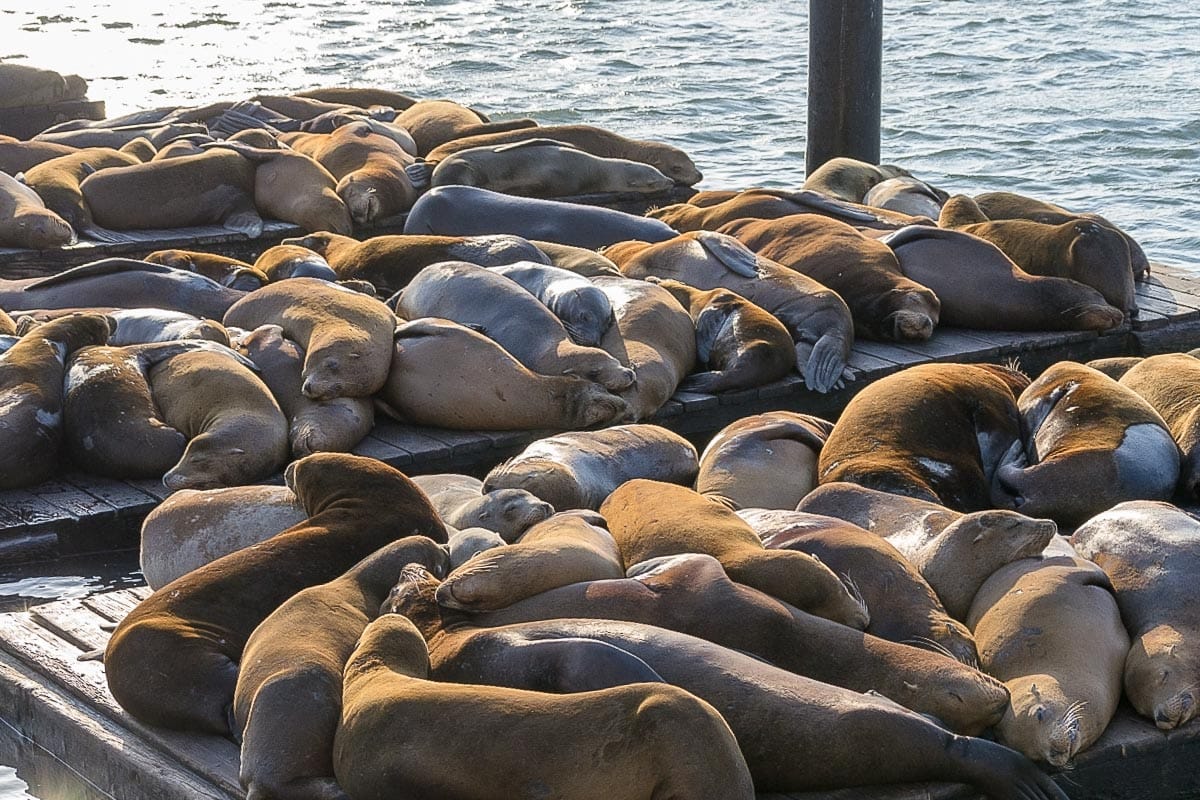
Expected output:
(79, 514)
(62, 712)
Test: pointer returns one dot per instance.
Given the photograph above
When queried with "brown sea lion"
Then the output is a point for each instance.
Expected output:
(652, 334)
(884, 303)
(511, 316)
(1151, 553)
(7, 326)
(671, 161)
(236, 433)
(850, 179)
(955, 553)
(461, 503)
(741, 344)
(763, 461)
(691, 593)
(1082, 428)
(31, 395)
(1170, 383)
(363, 97)
(211, 188)
(194, 527)
(936, 432)
(720, 208)
(904, 608)
(388, 697)
(29, 86)
(1008, 205)
(173, 660)
(907, 195)
(314, 426)
(224, 270)
(796, 733)
(435, 122)
(26, 222)
(980, 287)
(546, 168)
(57, 182)
(435, 380)
(1116, 367)
(288, 699)
(1050, 629)
(17, 156)
(581, 469)
(1083, 250)
(285, 261)
(817, 317)
(295, 106)
(346, 336)
(579, 260)
(649, 519)
(390, 262)
(569, 547)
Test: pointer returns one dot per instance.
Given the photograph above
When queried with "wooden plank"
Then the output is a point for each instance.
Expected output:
(890, 352)
(411, 439)
(461, 443)
(374, 448)
(786, 386)
(865, 362)
(693, 402)
(113, 606)
(152, 487)
(28, 510)
(946, 345)
(73, 621)
(119, 494)
(76, 502)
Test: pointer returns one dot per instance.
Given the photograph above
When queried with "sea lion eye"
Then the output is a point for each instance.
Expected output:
(1040, 713)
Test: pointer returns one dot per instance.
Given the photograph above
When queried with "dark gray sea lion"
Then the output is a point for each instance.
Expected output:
(583, 309)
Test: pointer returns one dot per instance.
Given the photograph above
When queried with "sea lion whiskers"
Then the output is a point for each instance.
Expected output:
(856, 594)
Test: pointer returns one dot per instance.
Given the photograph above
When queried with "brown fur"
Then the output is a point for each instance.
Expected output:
(17, 156)
(363, 97)
(434, 122)
(1170, 383)
(57, 181)
(26, 222)
(222, 269)
(849, 179)
(720, 208)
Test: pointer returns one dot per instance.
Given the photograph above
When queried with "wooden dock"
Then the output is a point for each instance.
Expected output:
(78, 513)
(72, 731)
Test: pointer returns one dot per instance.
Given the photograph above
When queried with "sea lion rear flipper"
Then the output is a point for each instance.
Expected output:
(96, 233)
(105, 266)
(829, 206)
(544, 142)
(419, 173)
(822, 364)
(737, 258)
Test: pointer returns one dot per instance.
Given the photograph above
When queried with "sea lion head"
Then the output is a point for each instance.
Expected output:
(1100, 257)
(361, 198)
(43, 230)
(470, 542)
(509, 512)
(585, 312)
(1041, 722)
(415, 596)
(594, 405)
(209, 463)
(913, 316)
(674, 163)
(596, 365)
(1161, 677)
(544, 478)
(334, 369)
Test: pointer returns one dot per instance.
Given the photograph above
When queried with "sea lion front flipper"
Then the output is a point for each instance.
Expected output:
(737, 258)
(829, 206)
(822, 364)
(419, 173)
(105, 266)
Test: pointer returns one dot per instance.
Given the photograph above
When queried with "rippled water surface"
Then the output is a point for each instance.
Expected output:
(1093, 104)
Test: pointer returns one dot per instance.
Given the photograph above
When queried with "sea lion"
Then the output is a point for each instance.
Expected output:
(461, 503)
(1008, 205)
(775, 714)
(980, 287)
(224, 270)
(288, 698)
(1116, 367)
(1082, 426)
(936, 432)
(671, 161)
(1050, 629)
(904, 608)
(691, 593)
(850, 179)
(817, 318)
(363, 97)
(31, 396)
(456, 290)
(297, 107)
(1170, 383)
(285, 261)
(582, 307)
(649, 519)
(157, 135)
(26, 222)
(468, 210)
(546, 168)
(763, 461)
(124, 283)
(346, 336)
(1083, 250)
(112, 426)
(390, 262)
(579, 260)
(955, 553)
(256, 137)
(435, 122)
(388, 697)
(180, 147)
(335, 425)
(236, 433)
(7, 326)
(569, 547)
(720, 208)
(1151, 553)
(17, 156)
(194, 527)
(214, 187)
(883, 303)
(467, 543)
(581, 469)
(435, 380)
(293, 187)
(907, 195)
(654, 336)
(369, 169)
(192, 630)
(57, 182)
(741, 344)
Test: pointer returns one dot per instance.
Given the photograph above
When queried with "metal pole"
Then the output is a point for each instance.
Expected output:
(845, 46)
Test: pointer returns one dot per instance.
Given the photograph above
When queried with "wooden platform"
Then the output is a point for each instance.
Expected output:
(62, 705)
(80, 513)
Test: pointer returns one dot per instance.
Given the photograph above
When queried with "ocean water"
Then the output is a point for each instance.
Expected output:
(1093, 104)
